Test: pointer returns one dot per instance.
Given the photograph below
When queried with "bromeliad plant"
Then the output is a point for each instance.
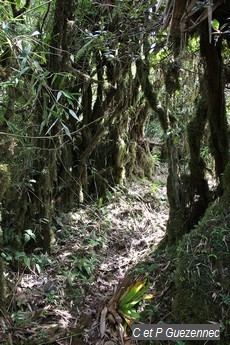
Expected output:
(123, 306)
(129, 301)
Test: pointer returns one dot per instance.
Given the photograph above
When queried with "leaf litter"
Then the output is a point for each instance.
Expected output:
(61, 298)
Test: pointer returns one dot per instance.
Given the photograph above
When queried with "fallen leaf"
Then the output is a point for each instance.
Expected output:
(102, 322)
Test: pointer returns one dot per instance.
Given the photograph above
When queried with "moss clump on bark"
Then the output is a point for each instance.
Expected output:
(226, 184)
(4, 179)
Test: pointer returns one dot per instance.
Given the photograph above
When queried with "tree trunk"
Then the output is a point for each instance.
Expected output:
(4, 182)
(218, 141)
(188, 194)
(192, 189)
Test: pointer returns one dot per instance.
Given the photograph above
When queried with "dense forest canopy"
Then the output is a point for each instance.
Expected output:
(95, 94)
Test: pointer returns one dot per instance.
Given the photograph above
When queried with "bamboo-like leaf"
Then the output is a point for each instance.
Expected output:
(54, 123)
(67, 94)
(67, 131)
(54, 78)
(9, 42)
(83, 50)
(72, 113)
(59, 95)
(23, 71)
(35, 33)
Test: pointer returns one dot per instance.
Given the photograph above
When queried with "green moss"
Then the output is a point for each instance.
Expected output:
(202, 276)
(187, 305)
(4, 179)
(226, 183)
(4, 182)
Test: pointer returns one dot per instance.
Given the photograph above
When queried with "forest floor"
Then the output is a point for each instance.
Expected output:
(57, 299)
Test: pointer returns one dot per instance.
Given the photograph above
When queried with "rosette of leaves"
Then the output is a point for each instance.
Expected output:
(123, 306)
(127, 306)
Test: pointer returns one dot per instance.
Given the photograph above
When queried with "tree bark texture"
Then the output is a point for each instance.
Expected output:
(219, 143)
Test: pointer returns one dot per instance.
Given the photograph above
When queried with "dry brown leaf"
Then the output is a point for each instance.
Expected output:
(103, 322)
(100, 342)
(121, 333)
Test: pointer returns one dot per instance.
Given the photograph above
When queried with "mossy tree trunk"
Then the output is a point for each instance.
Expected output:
(2, 278)
(110, 116)
(59, 62)
(218, 141)
(36, 207)
(143, 75)
(51, 156)
(191, 189)
(73, 152)
(188, 193)
(4, 183)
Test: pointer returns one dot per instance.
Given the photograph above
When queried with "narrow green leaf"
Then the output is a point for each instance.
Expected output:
(54, 123)
(137, 298)
(9, 42)
(42, 126)
(72, 113)
(100, 202)
(132, 313)
(82, 51)
(54, 78)
(59, 95)
(133, 291)
(67, 94)
(26, 260)
(35, 33)
(128, 295)
(23, 71)
(67, 131)
(37, 65)
(88, 269)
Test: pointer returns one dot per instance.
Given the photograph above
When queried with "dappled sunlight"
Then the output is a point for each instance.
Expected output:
(95, 247)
